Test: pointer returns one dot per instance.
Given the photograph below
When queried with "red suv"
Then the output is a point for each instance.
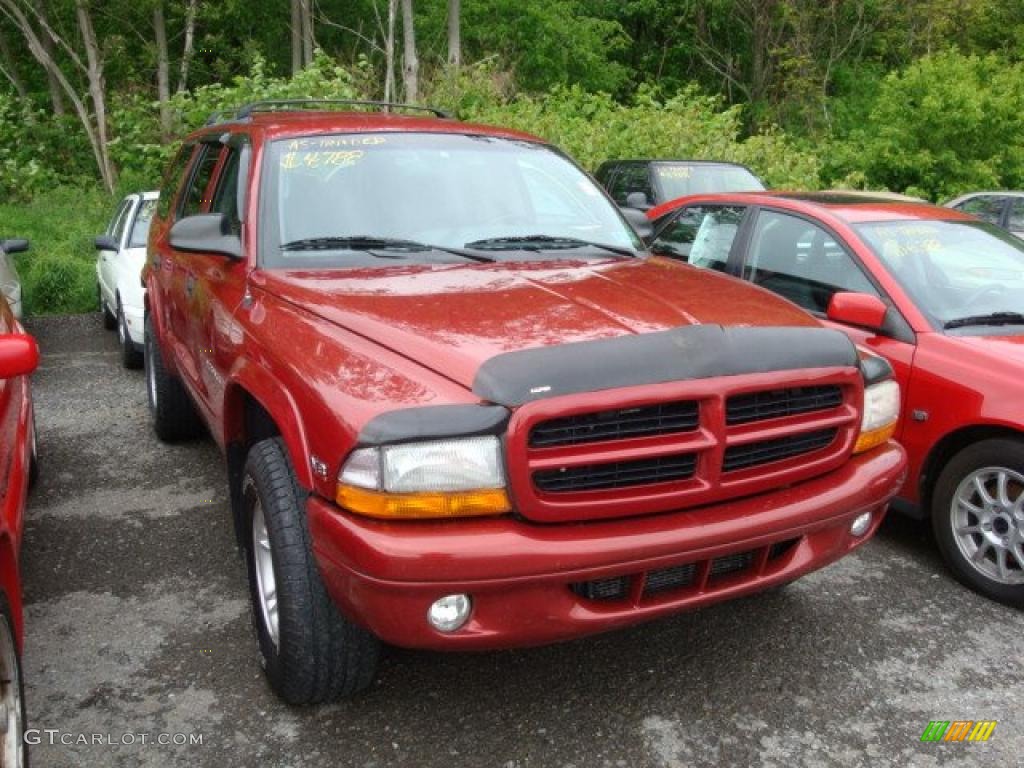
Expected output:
(941, 296)
(463, 409)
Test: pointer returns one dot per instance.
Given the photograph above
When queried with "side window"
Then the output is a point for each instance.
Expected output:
(986, 207)
(194, 200)
(172, 178)
(702, 235)
(1016, 221)
(225, 199)
(631, 178)
(117, 223)
(140, 227)
(801, 262)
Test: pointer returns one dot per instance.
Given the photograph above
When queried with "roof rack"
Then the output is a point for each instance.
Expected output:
(247, 110)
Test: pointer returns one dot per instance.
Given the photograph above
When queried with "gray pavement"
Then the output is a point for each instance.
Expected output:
(137, 623)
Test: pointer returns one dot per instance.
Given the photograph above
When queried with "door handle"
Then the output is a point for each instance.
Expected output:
(190, 284)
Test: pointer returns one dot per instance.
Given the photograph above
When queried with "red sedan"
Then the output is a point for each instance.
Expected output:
(18, 358)
(941, 296)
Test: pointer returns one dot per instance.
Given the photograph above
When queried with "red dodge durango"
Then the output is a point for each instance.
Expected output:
(462, 407)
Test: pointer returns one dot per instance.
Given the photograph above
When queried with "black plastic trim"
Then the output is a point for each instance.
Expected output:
(875, 369)
(434, 422)
(692, 352)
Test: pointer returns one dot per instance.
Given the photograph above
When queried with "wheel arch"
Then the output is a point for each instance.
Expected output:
(256, 408)
(950, 445)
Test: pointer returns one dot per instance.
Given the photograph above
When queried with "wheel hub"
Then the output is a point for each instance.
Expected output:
(987, 515)
(266, 581)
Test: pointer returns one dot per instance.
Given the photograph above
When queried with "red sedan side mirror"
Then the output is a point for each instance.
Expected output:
(860, 309)
(19, 355)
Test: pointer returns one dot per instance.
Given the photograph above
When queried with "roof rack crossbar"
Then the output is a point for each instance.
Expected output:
(247, 110)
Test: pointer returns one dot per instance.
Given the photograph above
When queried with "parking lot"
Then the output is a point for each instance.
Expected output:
(137, 623)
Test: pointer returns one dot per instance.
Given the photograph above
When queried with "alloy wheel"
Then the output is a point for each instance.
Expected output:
(987, 515)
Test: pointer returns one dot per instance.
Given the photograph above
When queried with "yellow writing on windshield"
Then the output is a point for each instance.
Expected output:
(332, 142)
(674, 172)
(314, 159)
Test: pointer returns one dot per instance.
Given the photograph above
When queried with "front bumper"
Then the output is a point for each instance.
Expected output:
(385, 575)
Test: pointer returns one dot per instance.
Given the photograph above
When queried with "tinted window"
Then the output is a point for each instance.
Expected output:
(195, 200)
(679, 179)
(445, 190)
(1016, 220)
(986, 207)
(225, 200)
(172, 178)
(801, 262)
(702, 235)
(628, 179)
(117, 223)
(140, 228)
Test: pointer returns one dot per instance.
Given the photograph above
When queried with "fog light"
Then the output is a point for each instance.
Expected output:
(860, 524)
(449, 613)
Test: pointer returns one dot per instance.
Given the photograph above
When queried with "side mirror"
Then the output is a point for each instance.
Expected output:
(860, 309)
(105, 243)
(19, 355)
(14, 245)
(206, 233)
(640, 223)
(639, 201)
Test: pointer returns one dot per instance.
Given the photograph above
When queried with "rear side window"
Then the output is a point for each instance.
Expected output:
(986, 207)
(702, 235)
(629, 179)
(195, 200)
(172, 178)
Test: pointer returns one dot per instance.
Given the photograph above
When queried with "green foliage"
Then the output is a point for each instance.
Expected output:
(946, 124)
(58, 274)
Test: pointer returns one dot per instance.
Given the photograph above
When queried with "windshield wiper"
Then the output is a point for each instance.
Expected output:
(993, 318)
(372, 243)
(543, 243)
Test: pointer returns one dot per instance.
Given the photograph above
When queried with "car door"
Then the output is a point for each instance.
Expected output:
(219, 285)
(107, 268)
(182, 279)
(807, 263)
(703, 235)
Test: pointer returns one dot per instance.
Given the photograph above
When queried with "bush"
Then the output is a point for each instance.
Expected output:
(947, 124)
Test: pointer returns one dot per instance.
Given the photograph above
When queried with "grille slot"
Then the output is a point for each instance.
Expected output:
(602, 589)
(780, 548)
(644, 421)
(723, 566)
(620, 474)
(667, 579)
(755, 454)
(776, 403)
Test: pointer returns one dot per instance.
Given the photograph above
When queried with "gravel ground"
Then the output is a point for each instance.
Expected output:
(137, 623)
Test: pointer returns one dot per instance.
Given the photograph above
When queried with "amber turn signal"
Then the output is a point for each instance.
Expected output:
(874, 438)
(422, 506)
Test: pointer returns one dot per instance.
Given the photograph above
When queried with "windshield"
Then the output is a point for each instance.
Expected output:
(680, 179)
(953, 270)
(335, 201)
(140, 229)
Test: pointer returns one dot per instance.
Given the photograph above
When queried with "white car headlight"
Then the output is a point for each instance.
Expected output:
(438, 478)
(881, 412)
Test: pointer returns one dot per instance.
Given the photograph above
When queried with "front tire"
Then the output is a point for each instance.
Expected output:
(311, 654)
(978, 518)
(174, 416)
(131, 357)
(13, 750)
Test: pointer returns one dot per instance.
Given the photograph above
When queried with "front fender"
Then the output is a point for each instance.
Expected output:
(252, 379)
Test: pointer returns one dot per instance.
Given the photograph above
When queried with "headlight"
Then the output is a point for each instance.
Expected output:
(441, 478)
(881, 411)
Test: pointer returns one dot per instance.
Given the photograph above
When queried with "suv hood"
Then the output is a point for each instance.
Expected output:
(452, 319)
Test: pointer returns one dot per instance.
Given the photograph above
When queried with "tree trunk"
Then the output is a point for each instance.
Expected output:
(190, 42)
(163, 74)
(389, 53)
(39, 51)
(307, 31)
(296, 30)
(454, 34)
(56, 95)
(97, 90)
(410, 64)
(9, 68)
